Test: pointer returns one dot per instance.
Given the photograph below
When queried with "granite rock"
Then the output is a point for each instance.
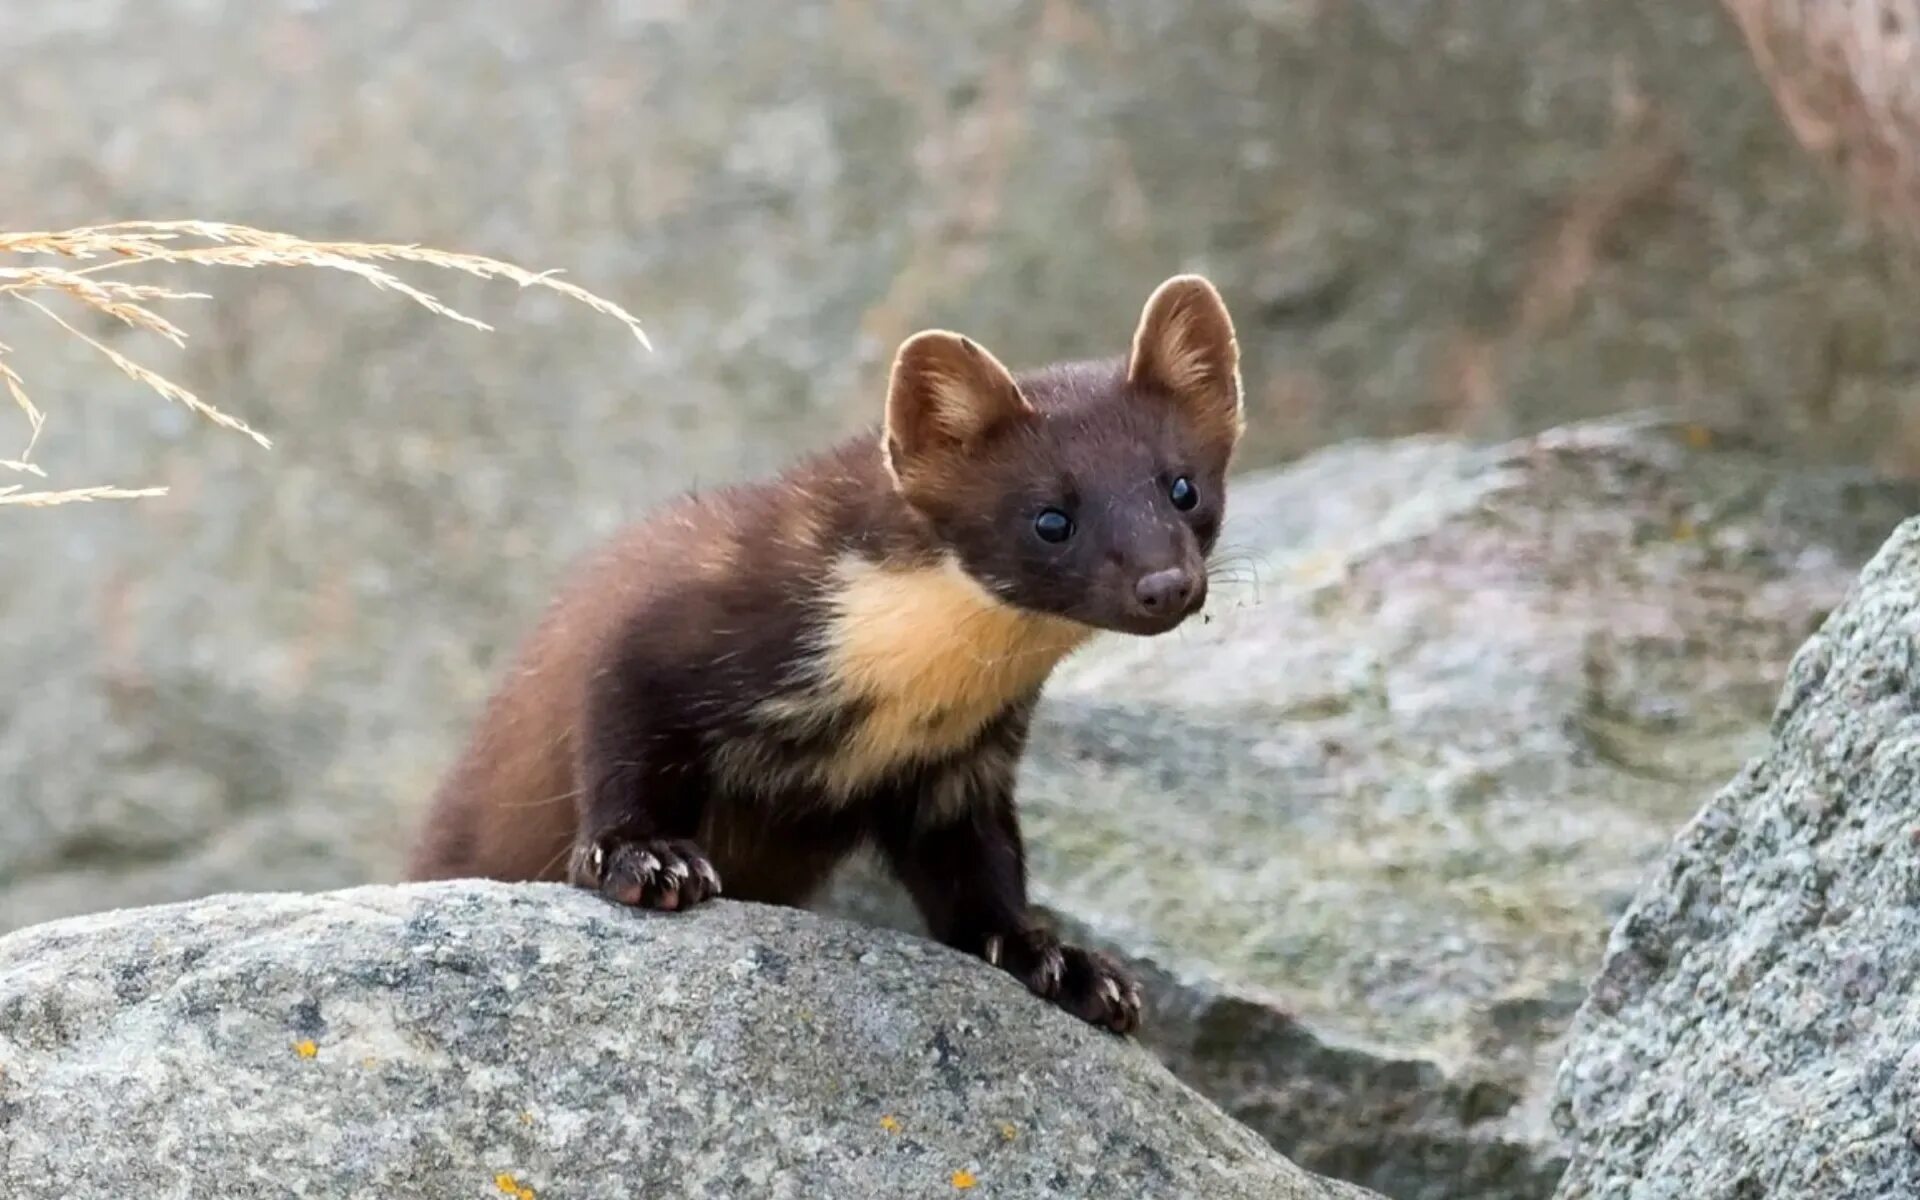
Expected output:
(463, 1040)
(1753, 1029)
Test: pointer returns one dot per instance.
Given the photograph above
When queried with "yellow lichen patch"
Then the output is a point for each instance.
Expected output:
(1007, 1131)
(369, 1062)
(1699, 436)
(1684, 530)
(306, 1049)
(963, 1179)
(890, 1124)
(526, 1118)
(510, 1186)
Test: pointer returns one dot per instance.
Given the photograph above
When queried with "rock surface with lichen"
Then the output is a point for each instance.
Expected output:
(467, 1040)
(1753, 1030)
(1364, 830)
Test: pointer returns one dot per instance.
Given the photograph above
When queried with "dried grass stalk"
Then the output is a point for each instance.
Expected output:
(13, 495)
(1846, 76)
(129, 244)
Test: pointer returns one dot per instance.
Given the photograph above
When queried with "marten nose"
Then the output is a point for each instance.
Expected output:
(1165, 593)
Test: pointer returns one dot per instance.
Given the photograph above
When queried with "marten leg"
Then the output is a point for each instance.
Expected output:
(641, 799)
(967, 875)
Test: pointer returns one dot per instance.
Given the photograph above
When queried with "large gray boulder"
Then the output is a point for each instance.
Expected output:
(1366, 828)
(467, 1040)
(1753, 1032)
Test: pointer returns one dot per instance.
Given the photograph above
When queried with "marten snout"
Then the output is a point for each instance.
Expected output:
(1167, 593)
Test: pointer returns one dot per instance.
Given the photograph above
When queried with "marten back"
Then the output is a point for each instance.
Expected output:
(730, 584)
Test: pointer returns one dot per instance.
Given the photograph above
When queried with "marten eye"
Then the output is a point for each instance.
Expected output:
(1052, 525)
(1183, 494)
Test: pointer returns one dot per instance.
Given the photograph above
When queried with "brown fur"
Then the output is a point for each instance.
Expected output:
(750, 683)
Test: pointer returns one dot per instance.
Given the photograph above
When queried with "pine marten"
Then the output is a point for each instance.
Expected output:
(753, 682)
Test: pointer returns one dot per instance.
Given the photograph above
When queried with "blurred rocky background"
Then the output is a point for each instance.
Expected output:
(1491, 673)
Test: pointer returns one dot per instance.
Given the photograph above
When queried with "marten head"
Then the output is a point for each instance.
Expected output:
(1090, 491)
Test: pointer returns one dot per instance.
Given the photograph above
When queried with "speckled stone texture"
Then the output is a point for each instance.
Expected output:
(474, 1040)
(1755, 1032)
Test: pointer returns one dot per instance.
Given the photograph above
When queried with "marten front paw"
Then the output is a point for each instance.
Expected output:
(1086, 983)
(646, 872)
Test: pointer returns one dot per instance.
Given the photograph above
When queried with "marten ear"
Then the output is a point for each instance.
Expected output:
(946, 395)
(1185, 347)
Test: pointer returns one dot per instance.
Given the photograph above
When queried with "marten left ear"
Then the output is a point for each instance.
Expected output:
(1185, 347)
(947, 394)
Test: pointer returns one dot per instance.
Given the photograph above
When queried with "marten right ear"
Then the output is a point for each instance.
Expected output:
(1185, 348)
(946, 395)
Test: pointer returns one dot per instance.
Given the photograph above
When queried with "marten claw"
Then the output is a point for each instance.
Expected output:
(1086, 983)
(650, 873)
